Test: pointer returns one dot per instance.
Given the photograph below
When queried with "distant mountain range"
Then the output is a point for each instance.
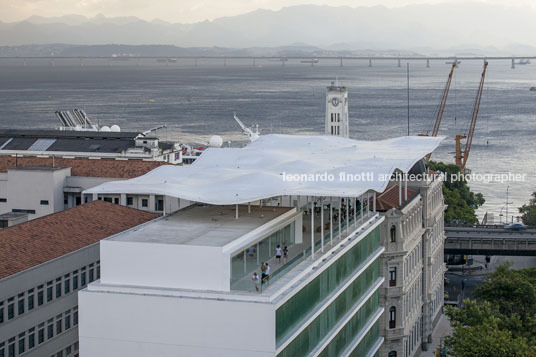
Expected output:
(473, 28)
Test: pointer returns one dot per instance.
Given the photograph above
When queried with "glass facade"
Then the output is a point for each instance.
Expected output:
(298, 307)
(320, 327)
(370, 339)
(349, 332)
(244, 263)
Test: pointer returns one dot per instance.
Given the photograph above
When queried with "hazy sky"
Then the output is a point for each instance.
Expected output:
(186, 11)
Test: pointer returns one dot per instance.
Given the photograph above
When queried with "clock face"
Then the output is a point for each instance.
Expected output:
(335, 101)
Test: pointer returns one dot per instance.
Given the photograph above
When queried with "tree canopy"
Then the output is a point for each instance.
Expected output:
(461, 201)
(501, 321)
(528, 212)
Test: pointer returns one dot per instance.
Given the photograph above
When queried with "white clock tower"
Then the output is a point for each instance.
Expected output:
(337, 122)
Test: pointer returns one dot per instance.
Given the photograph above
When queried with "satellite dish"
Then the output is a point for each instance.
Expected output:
(215, 141)
(115, 128)
(105, 129)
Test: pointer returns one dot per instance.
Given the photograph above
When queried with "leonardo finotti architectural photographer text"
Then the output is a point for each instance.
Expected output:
(371, 176)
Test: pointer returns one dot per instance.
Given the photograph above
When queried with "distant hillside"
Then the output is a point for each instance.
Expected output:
(439, 27)
(170, 51)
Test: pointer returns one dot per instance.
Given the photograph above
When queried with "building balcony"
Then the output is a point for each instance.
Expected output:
(394, 333)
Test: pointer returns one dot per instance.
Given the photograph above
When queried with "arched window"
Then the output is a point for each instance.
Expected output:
(393, 234)
(392, 317)
(392, 354)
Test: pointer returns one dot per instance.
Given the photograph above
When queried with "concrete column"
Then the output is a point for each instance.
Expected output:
(151, 203)
(400, 193)
(312, 228)
(331, 220)
(322, 223)
(236, 211)
(249, 207)
(374, 202)
(406, 187)
(340, 213)
(362, 209)
(355, 211)
(95, 197)
(347, 214)
(123, 199)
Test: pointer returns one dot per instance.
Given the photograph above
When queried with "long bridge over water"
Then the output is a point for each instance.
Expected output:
(255, 60)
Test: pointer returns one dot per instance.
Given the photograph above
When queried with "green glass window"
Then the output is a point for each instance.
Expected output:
(297, 308)
(306, 341)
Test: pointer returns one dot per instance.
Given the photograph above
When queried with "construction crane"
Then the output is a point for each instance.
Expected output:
(441, 110)
(461, 158)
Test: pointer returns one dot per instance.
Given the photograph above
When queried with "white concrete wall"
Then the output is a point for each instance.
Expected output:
(87, 182)
(114, 324)
(165, 265)
(4, 207)
(26, 189)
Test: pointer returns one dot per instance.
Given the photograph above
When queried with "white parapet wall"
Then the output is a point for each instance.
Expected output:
(132, 324)
(165, 265)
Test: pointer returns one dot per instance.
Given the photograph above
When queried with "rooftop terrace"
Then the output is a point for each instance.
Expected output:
(203, 225)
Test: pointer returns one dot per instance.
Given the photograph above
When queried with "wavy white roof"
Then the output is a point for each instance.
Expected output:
(239, 175)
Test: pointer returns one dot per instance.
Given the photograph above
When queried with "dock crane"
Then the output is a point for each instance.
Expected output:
(461, 158)
(441, 110)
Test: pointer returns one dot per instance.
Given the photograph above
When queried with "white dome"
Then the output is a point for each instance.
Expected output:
(115, 128)
(215, 141)
(105, 128)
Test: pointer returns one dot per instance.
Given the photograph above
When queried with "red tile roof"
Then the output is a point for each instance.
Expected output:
(86, 167)
(389, 198)
(29, 244)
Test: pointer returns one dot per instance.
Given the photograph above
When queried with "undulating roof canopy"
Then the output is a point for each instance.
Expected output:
(263, 168)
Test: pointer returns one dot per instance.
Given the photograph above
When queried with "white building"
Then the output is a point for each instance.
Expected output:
(182, 285)
(38, 186)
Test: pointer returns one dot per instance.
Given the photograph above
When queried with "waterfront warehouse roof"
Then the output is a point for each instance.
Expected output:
(36, 242)
(109, 168)
(268, 168)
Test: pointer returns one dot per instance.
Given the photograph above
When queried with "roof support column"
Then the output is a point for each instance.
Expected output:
(400, 193)
(340, 225)
(355, 211)
(249, 207)
(405, 187)
(123, 199)
(331, 220)
(368, 203)
(312, 228)
(374, 202)
(322, 223)
(347, 214)
(362, 208)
